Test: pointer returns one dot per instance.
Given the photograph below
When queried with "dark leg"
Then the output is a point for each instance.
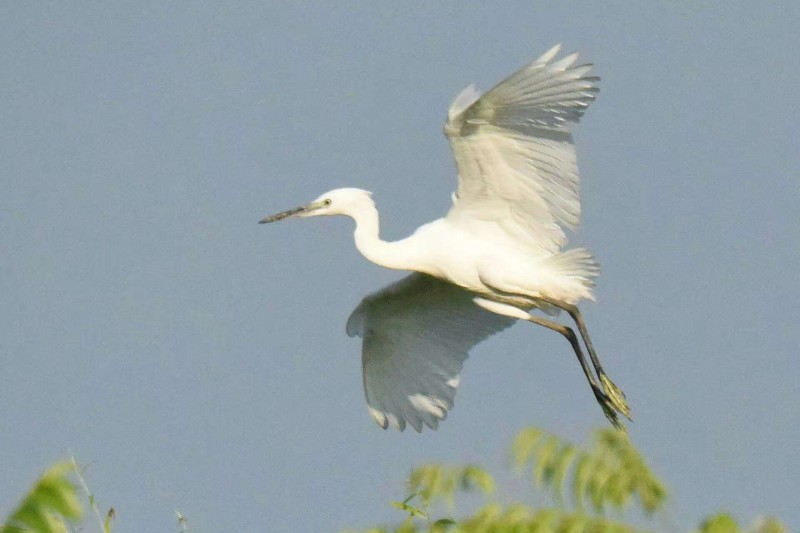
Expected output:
(613, 392)
(606, 402)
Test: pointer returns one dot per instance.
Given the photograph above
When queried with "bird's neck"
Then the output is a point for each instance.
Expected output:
(368, 241)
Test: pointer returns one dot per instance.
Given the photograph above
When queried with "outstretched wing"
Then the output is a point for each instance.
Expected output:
(416, 334)
(517, 171)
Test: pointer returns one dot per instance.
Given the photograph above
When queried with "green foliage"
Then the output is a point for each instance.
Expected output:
(523, 519)
(721, 523)
(51, 503)
(608, 474)
(769, 525)
(442, 482)
(725, 523)
(494, 518)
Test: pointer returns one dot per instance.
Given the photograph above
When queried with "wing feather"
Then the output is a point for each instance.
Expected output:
(417, 333)
(513, 146)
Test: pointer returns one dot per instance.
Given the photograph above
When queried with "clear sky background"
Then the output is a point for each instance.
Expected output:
(199, 360)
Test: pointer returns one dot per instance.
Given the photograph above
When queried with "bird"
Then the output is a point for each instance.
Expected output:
(500, 247)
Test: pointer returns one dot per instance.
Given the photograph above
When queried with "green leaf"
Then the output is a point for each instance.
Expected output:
(543, 470)
(442, 525)
(473, 476)
(524, 446)
(51, 501)
(769, 525)
(721, 523)
(561, 464)
(411, 510)
(583, 473)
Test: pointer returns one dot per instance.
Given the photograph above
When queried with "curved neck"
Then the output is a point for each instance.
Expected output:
(368, 241)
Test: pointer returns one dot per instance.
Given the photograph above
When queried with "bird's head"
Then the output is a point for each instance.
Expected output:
(345, 201)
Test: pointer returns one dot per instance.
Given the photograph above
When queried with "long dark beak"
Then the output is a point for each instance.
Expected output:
(284, 214)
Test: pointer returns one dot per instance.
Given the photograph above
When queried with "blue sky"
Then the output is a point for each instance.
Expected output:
(199, 360)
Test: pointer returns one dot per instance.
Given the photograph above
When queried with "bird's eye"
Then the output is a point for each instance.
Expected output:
(327, 201)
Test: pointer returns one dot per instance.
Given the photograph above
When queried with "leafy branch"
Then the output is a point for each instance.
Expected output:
(608, 474)
(49, 506)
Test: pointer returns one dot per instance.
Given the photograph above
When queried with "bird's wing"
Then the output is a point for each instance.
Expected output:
(416, 336)
(513, 147)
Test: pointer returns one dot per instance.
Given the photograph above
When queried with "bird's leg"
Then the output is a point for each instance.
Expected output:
(613, 392)
(605, 401)
(509, 310)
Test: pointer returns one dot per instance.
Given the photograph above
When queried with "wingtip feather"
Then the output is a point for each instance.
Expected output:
(547, 56)
(468, 96)
(565, 62)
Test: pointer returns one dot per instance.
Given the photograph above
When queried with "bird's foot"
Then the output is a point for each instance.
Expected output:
(609, 409)
(615, 396)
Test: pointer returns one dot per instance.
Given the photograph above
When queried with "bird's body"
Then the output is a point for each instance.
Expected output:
(483, 261)
(503, 239)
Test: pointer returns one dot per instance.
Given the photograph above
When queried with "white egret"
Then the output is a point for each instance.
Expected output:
(501, 243)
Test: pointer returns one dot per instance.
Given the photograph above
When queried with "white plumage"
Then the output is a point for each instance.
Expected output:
(515, 154)
(500, 246)
(417, 333)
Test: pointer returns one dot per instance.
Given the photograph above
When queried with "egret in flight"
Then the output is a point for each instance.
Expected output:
(499, 249)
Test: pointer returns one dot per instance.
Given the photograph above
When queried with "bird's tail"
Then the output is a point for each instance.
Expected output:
(579, 265)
